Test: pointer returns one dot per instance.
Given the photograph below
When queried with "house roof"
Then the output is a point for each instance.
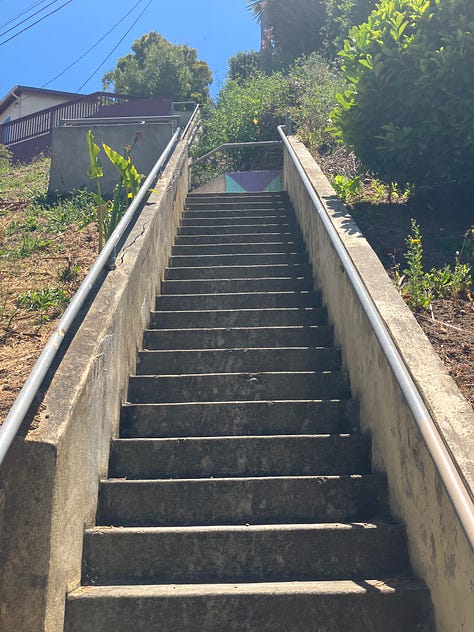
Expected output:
(10, 97)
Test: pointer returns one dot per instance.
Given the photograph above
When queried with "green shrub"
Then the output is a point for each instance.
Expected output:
(408, 112)
(342, 15)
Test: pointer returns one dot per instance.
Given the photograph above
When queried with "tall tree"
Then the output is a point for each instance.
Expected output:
(158, 68)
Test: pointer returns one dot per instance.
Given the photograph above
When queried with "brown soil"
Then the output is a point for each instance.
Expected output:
(449, 324)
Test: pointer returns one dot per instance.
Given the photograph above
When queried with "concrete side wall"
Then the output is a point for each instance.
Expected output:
(70, 155)
(438, 547)
(49, 481)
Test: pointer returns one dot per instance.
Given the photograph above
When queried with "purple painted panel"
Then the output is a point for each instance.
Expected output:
(138, 107)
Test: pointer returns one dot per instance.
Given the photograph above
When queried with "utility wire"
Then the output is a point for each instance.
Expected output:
(115, 47)
(12, 28)
(93, 45)
(35, 23)
(18, 15)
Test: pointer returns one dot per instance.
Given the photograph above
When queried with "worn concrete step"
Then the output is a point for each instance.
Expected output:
(238, 286)
(173, 362)
(203, 211)
(242, 228)
(279, 317)
(291, 248)
(238, 337)
(257, 500)
(217, 387)
(238, 195)
(239, 300)
(235, 259)
(254, 237)
(199, 419)
(218, 457)
(238, 220)
(182, 555)
(226, 205)
(368, 605)
(275, 271)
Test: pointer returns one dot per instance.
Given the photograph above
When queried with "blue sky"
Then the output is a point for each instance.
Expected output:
(216, 28)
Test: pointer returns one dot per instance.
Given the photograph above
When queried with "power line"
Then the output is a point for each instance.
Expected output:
(114, 48)
(35, 23)
(18, 15)
(94, 45)
(12, 28)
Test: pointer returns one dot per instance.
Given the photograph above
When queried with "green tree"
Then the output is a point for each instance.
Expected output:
(158, 68)
(244, 65)
(296, 27)
(342, 15)
(408, 113)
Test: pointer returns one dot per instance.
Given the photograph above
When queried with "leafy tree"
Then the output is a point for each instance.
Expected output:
(341, 16)
(158, 68)
(244, 65)
(408, 111)
(296, 26)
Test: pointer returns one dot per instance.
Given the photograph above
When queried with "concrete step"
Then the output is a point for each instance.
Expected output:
(238, 286)
(368, 605)
(241, 228)
(275, 271)
(218, 457)
(188, 261)
(218, 387)
(238, 337)
(255, 237)
(255, 218)
(203, 211)
(249, 500)
(238, 301)
(225, 205)
(182, 555)
(240, 418)
(173, 362)
(293, 248)
(238, 318)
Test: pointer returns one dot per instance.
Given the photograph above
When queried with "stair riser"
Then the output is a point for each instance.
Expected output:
(242, 228)
(239, 418)
(229, 286)
(252, 237)
(259, 456)
(238, 318)
(320, 336)
(243, 300)
(241, 501)
(227, 206)
(238, 555)
(331, 611)
(219, 214)
(239, 260)
(231, 387)
(237, 361)
(257, 218)
(259, 249)
(238, 272)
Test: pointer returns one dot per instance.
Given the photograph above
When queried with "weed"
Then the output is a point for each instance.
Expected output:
(30, 245)
(43, 300)
(348, 189)
(70, 273)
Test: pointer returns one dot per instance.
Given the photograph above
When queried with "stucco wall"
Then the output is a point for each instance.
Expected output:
(49, 480)
(70, 154)
(438, 547)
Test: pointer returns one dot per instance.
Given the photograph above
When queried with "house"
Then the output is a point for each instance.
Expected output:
(21, 101)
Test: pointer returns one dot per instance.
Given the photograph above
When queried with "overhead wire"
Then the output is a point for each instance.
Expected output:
(18, 15)
(15, 26)
(35, 23)
(115, 47)
(93, 45)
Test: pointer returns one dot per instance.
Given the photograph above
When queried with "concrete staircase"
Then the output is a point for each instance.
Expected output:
(240, 493)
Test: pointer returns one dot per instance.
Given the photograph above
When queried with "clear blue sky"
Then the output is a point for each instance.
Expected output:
(216, 28)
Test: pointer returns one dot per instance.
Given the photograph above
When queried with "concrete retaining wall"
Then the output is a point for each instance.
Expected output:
(70, 154)
(439, 550)
(49, 481)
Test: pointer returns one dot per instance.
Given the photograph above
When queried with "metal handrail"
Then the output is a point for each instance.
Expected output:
(260, 143)
(192, 120)
(456, 489)
(32, 385)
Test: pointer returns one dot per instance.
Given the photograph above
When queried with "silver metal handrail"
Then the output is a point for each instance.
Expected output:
(191, 121)
(32, 385)
(225, 146)
(456, 489)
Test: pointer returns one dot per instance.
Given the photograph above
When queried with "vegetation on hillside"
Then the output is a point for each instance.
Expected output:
(158, 68)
